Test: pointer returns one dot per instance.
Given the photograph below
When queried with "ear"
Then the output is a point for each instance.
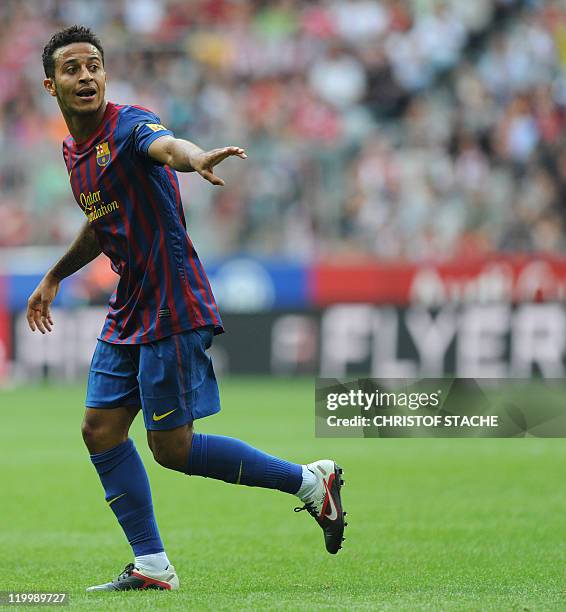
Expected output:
(49, 85)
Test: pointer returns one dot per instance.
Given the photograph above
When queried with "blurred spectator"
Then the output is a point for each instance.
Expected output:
(423, 129)
(338, 78)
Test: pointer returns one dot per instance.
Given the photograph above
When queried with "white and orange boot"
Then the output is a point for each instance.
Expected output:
(133, 578)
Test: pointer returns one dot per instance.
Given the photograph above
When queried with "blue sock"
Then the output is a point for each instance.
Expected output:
(235, 461)
(127, 490)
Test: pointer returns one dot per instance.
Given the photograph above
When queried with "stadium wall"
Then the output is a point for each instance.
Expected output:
(497, 317)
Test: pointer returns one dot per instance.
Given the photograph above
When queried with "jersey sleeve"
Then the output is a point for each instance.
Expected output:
(146, 127)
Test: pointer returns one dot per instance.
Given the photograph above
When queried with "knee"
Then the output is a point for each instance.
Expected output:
(98, 437)
(171, 451)
(90, 433)
(169, 458)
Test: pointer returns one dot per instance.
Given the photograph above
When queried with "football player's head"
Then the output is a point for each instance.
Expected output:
(73, 61)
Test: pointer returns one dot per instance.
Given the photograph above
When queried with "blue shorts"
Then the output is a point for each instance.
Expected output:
(171, 379)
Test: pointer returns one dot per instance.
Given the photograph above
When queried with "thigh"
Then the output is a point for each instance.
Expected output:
(113, 376)
(177, 381)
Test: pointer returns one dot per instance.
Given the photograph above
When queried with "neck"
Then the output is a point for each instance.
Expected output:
(82, 127)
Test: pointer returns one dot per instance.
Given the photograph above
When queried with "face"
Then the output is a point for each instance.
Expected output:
(80, 80)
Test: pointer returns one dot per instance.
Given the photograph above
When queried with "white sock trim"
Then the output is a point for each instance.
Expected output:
(157, 562)
(308, 486)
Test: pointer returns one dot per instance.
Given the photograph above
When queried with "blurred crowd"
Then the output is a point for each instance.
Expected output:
(403, 129)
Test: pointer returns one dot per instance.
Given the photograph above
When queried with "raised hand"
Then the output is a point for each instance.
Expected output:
(204, 162)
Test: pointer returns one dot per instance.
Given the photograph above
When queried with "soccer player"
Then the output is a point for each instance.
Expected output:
(151, 353)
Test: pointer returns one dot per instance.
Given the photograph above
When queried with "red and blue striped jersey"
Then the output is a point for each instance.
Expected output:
(134, 206)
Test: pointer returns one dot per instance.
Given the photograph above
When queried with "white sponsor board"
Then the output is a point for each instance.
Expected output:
(471, 341)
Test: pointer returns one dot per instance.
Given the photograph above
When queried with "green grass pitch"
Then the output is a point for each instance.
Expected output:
(433, 524)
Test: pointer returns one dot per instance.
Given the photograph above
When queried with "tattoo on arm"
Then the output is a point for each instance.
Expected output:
(82, 251)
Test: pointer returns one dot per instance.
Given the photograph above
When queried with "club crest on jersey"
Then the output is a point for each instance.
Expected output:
(102, 153)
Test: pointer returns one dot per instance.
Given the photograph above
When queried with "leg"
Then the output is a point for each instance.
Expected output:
(123, 475)
(223, 458)
(317, 484)
(113, 380)
(178, 385)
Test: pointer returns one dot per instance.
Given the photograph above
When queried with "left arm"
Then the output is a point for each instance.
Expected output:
(185, 156)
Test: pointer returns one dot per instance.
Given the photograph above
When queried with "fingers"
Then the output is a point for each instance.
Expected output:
(29, 317)
(226, 151)
(214, 157)
(39, 318)
(238, 151)
(46, 315)
(35, 320)
(212, 178)
(31, 313)
(208, 160)
(218, 155)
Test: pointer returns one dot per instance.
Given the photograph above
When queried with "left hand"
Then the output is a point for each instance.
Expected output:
(39, 304)
(203, 163)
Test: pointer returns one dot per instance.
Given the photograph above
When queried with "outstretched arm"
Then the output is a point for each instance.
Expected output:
(82, 251)
(185, 156)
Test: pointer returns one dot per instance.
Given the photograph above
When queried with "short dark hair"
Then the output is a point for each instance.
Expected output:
(72, 34)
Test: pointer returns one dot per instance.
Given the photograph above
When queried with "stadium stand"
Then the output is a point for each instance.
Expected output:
(402, 130)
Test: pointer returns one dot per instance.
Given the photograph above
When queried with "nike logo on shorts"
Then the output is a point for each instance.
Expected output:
(162, 416)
